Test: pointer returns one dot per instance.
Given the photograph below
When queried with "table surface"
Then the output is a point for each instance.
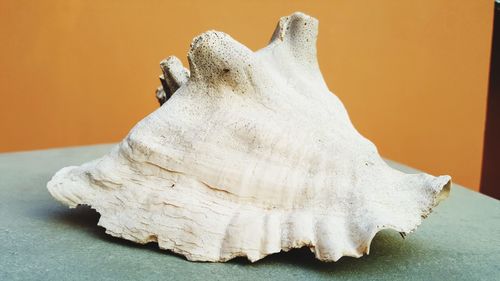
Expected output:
(43, 240)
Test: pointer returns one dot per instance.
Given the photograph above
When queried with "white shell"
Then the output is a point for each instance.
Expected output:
(252, 155)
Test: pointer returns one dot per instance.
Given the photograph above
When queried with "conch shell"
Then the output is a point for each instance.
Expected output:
(250, 154)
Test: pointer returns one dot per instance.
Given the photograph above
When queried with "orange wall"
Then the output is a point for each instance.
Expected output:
(412, 74)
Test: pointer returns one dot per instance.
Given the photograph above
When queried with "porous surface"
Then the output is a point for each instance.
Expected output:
(250, 156)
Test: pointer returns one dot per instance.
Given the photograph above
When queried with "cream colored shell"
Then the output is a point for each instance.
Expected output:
(252, 155)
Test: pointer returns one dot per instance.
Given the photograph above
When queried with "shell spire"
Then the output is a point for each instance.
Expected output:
(217, 59)
(294, 43)
(173, 77)
(300, 31)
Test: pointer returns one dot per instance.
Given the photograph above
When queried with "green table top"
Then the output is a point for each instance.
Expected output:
(43, 240)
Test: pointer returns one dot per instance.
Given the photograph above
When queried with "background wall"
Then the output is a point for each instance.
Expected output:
(412, 74)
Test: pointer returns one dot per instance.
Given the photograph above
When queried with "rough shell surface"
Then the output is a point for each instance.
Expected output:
(249, 155)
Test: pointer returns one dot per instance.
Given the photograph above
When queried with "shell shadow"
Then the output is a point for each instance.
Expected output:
(386, 245)
(85, 218)
(305, 259)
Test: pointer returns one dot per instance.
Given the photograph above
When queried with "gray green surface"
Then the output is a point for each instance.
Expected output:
(43, 240)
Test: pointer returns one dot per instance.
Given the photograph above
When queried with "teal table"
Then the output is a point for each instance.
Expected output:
(43, 240)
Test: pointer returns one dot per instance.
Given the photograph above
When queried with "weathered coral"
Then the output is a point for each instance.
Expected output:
(251, 155)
